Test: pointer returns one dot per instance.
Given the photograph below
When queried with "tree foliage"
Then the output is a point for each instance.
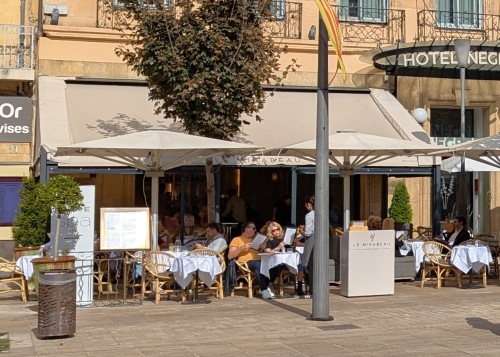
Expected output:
(400, 209)
(32, 220)
(205, 61)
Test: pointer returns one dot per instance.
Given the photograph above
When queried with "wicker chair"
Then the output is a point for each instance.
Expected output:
(494, 248)
(482, 274)
(157, 275)
(437, 260)
(218, 284)
(424, 233)
(245, 279)
(103, 279)
(12, 279)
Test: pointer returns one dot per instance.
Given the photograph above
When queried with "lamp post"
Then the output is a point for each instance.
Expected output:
(462, 49)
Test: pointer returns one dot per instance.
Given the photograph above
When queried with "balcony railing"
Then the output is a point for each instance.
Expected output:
(446, 25)
(371, 25)
(17, 46)
(287, 16)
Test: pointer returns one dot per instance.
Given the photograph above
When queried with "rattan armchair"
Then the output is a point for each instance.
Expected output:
(437, 260)
(12, 279)
(424, 233)
(103, 279)
(218, 284)
(494, 248)
(157, 275)
(245, 279)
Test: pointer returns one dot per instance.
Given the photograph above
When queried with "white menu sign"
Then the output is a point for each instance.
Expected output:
(125, 229)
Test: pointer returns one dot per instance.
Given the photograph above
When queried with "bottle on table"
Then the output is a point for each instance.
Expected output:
(178, 245)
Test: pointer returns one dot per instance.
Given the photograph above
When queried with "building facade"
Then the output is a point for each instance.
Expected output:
(78, 44)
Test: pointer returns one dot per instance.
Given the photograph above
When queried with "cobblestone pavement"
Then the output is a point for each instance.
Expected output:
(412, 322)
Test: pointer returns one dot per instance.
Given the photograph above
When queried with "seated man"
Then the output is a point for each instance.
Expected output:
(241, 249)
(215, 239)
(459, 233)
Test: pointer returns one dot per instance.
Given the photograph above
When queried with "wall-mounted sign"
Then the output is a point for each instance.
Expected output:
(444, 58)
(16, 115)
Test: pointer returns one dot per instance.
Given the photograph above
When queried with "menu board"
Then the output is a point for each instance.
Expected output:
(9, 199)
(125, 229)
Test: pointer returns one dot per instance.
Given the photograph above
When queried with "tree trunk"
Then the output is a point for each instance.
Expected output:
(210, 191)
(56, 236)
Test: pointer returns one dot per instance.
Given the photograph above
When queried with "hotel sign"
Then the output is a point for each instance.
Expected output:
(443, 58)
(16, 115)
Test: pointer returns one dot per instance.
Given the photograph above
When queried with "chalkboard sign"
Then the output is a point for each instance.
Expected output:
(9, 199)
(125, 229)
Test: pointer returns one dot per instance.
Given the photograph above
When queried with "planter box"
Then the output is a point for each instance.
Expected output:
(22, 251)
(47, 263)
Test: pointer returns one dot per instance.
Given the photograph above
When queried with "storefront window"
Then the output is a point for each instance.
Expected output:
(445, 123)
(464, 14)
(9, 199)
(363, 10)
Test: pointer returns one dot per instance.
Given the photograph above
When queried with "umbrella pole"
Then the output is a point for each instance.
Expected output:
(347, 201)
(154, 206)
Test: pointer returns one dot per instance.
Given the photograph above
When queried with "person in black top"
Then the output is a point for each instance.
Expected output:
(282, 211)
(459, 234)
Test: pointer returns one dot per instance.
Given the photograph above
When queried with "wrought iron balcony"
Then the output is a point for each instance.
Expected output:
(17, 44)
(371, 25)
(447, 25)
(287, 16)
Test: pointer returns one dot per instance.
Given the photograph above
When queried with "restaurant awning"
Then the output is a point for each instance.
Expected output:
(76, 110)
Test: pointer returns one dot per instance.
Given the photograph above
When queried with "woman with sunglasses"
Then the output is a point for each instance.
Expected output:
(274, 244)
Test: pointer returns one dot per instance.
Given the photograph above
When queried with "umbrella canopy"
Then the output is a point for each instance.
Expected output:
(485, 150)
(350, 150)
(453, 164)
(154, 151)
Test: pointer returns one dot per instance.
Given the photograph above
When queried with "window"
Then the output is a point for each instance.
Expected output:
(277, 8)
(9, 199)
(166, 3)
(464, 14)
(446, 123)
(363, 10)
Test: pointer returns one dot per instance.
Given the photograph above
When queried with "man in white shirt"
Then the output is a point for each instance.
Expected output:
(215, 239)
(460, 233)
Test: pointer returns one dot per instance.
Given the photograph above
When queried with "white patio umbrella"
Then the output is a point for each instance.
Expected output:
(350, 150)
(485, 150)
(154, 151)
(454, 164)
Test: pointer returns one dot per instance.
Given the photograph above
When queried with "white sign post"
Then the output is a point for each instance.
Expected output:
(367, 263)
(77, 239)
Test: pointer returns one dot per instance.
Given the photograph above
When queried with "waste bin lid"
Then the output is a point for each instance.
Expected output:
(57, 277)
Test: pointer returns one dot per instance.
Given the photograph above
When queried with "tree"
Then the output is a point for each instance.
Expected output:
(32, 221)
(400, 209)
(204, 62)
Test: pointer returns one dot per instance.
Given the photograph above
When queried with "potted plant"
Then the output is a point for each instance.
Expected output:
(400, 209)
(64, 196)
(32, 221)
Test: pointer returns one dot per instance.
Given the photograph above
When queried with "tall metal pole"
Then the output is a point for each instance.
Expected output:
(462, 49)
(462, 207)
(321, 287)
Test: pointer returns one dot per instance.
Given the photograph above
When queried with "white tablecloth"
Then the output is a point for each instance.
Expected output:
(207, 265)
(24, 263)
(414, 245)
(465, 257)
(270, 260)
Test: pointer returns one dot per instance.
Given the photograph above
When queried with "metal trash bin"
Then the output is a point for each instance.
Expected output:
(57, 303)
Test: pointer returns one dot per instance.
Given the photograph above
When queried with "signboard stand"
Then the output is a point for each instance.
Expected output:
(367, 263)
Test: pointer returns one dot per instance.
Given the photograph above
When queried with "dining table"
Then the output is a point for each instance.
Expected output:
(415, 246)
(270, 260)
(205, 268)
(471, 257)
(24, 263)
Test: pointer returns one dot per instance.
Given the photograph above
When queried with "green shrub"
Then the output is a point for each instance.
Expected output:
(400, 209)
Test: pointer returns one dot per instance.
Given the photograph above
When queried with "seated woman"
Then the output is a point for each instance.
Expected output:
(374, 223)
(274, 244)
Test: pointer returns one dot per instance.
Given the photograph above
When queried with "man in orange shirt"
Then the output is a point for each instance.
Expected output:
(241, 249)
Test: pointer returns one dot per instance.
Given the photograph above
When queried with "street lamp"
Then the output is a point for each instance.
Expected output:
(462, 49)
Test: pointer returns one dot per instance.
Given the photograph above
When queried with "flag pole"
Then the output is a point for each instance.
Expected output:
(321, 284)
